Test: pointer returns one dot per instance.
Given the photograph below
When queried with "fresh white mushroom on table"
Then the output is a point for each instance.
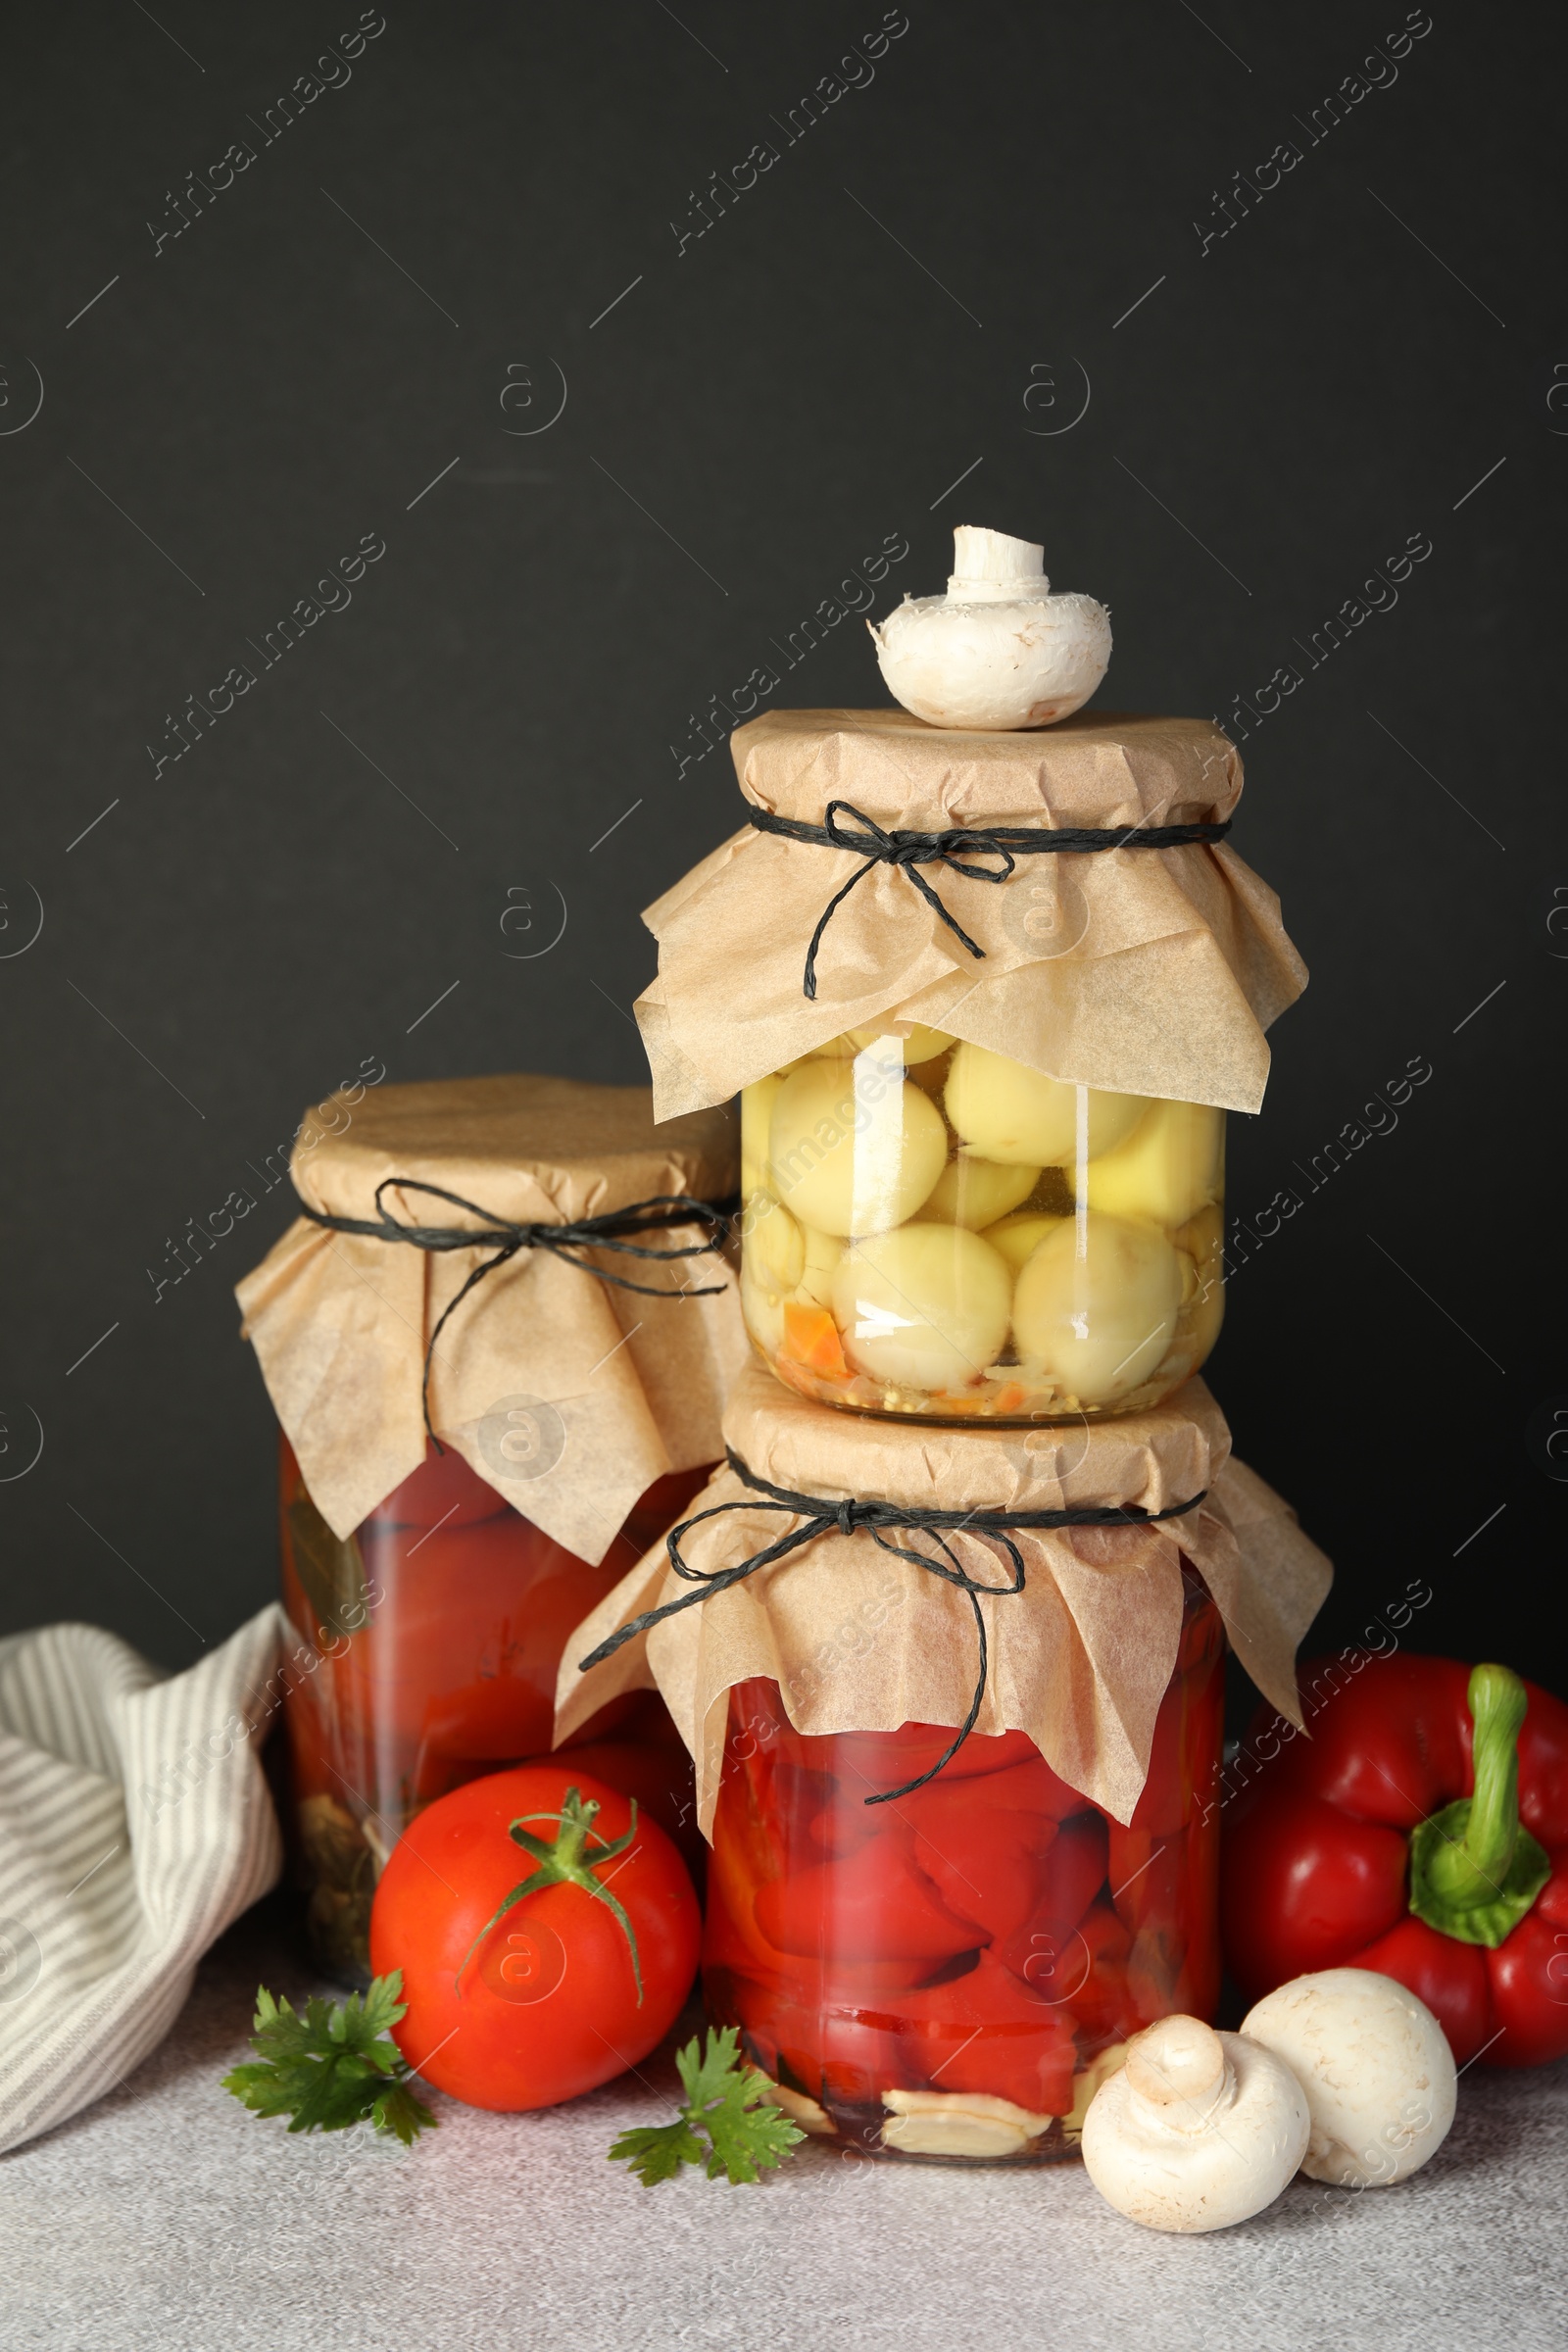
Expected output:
(1345, 2076)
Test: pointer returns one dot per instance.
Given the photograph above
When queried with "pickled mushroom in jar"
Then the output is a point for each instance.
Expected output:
(854, 1147)
(1164, 1170)
(1096, 1305)
(756, 1110)
(1019, 1236)
(820, 1262)
(925, 1306)
(976, 1191)
(1201, 1254)
(763, 1311)
(1005, 1111)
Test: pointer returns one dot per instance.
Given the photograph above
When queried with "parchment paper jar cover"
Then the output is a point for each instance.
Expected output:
(857, 1640)
(1148, 971)
(617, 1389)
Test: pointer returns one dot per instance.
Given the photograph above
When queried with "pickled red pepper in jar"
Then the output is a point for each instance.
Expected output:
(497, 1338)
(933, 1229)
(954, 1971)
(437, 1631)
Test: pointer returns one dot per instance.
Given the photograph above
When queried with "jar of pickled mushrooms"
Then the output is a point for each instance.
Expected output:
(986, 999)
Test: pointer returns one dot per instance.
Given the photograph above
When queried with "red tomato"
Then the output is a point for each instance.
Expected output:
(659, 1778)
(547, 2006)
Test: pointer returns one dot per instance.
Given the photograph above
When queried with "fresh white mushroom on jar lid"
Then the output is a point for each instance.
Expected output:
(1375, 2066)
(998, 651)
(1197, 2130)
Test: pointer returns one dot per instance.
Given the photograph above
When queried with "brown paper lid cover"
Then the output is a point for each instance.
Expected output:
(859, 1639)
(612, 1387)
(1149, 970)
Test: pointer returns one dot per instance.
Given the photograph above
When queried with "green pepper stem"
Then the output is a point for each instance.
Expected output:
(1474, 1870)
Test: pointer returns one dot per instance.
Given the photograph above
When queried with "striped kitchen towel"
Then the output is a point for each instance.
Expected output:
(134, 1826)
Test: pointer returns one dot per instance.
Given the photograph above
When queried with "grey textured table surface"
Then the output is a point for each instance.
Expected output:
(168, 2216)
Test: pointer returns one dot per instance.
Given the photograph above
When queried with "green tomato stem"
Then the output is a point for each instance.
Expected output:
(566, 1860)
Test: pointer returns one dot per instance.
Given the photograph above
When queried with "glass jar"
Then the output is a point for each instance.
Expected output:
(955, 1972)
(932, 1229)
(433, 1635)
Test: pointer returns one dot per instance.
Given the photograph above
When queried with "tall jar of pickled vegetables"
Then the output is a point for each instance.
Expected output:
(986, 999)
(478, 1437)
(949, 1878)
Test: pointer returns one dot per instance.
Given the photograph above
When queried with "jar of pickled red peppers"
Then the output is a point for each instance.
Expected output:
(433, 1639)
(933, 1229)
(936, 1942)
(477, 1440)
(955, 1972)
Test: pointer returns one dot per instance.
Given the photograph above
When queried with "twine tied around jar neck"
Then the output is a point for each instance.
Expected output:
(954, 848)
(505, 1237)
(823, 1517)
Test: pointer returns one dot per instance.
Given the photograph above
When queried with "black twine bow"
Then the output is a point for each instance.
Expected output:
(955, 847)
(825, 1518)
(612, 1231)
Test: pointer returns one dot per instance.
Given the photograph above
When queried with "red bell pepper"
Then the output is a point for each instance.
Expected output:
(989, 2032)
(1422, 1830)
(876, 1905)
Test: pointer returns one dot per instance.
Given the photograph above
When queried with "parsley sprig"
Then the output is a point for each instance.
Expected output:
(335, 2066)
(726, 2121)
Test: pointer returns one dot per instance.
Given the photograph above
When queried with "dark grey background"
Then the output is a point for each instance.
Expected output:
(1281, 412)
